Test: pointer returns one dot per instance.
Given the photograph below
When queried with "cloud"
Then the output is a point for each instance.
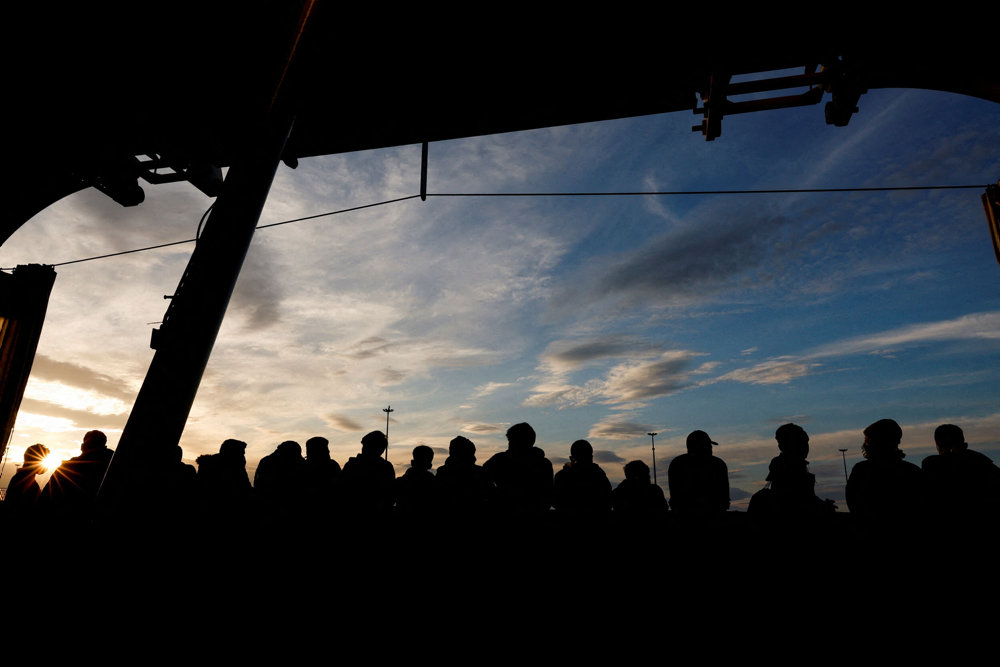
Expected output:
(47, 368)
(607, 456)
(342, 423)
(82, 419)
(489, 388)
(484, 428)
(974, 326)
(635, 381)
(718, 248)
(618, 427)
(563, 356)
(390, 377)
(775, 371)
(784, 369)
(258, 295)
(649, 372)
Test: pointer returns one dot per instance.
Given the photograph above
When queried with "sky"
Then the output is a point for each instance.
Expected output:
(596, 317)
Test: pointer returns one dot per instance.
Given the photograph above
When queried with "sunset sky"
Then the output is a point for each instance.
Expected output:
(589, 317)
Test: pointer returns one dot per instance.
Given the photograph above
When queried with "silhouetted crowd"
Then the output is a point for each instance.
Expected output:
(956, 485)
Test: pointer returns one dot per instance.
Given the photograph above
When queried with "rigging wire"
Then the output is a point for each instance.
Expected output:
(656, 193)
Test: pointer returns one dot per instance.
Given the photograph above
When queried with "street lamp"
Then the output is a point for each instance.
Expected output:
(387, 410)
(652, 442)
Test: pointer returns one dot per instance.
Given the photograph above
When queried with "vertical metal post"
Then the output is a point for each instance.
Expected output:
(652, 440)
(387, 410)
(844, 456)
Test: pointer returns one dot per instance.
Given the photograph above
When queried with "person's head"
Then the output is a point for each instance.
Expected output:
(93, 440)
(34, 455)
(462, 449)
(581, 451)
(289, 449)
(637, 471)
(792, 440)
(882, 439)
(520, 437)
(949, 439)
(422, 457)
(699, 444)
(317, 447)
(233, 449)
(374, 443)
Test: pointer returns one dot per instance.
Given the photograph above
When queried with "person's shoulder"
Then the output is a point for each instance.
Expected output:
(932, 461)
(978, 458)
(499, 456)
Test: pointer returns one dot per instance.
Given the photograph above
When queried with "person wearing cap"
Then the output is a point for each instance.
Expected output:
(222, 483)
(366, 483)
(698, 480)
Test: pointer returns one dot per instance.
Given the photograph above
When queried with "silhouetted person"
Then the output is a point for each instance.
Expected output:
(961, 482)
(166, 497)
(581, 488)
(367, 479)
(462, 485)
(416, 490)
(699, 481)
(884, 488)
(522, 476)
(322, 475)
(792, 487)
(23, 490)
(73, 487)
(224, 488)
(280, 480)
(636, 495)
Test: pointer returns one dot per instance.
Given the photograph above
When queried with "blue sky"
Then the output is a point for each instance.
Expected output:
(589, 317)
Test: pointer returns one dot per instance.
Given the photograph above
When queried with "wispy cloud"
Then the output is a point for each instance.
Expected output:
(343, 423)
(648, 371)
(618, 427)
(780, 370)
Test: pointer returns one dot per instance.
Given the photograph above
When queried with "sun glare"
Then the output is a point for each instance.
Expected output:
(52, 461)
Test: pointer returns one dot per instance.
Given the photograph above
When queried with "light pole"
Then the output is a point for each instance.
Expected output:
(387, 410)
(652, 442)
(843, 455)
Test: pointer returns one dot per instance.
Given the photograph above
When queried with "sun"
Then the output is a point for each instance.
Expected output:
(51, 461)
